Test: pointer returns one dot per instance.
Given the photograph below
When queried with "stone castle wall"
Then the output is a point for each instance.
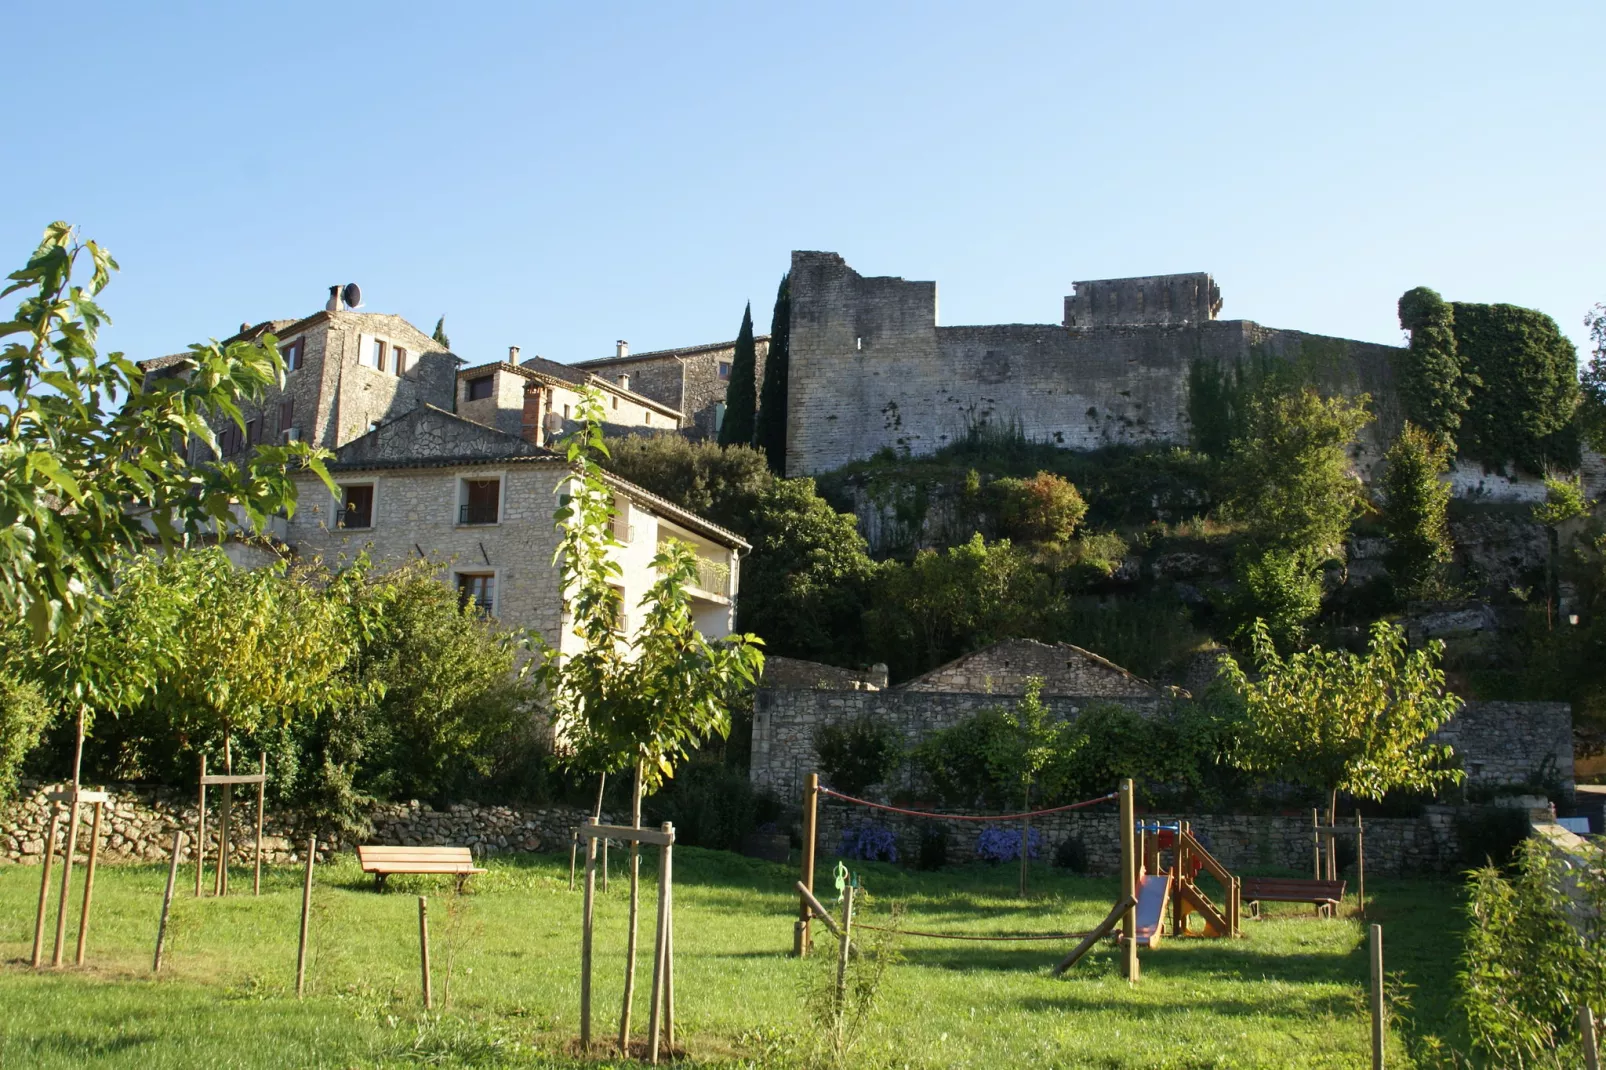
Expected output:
(140, 822)
(1499, 743)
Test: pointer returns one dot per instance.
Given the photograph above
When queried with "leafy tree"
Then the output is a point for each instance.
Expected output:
(24, 715)
(722, 483)
(1523, 410)
(1296, 493)
(1337, 721)
(439, 334)
(643, 700)
(808, 580)
(1535, 953)
(741, 392)
(1432, 380)
(1415, 512)
(1043, 509)
(1564, 501)
(856, 754)
(93, 457)
(769, 433)
(1592, 406)
(1022, 751)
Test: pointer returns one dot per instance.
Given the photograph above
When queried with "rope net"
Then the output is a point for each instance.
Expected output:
(968, 817)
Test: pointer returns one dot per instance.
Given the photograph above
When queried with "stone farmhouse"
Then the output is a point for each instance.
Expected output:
(691, 379)
(449, 463)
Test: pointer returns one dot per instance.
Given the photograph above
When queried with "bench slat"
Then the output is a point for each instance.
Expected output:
(419, 856)
(422, 867)
(1291, 890)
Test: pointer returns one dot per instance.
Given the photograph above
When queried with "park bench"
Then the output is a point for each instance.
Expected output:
(383, 861)
(1325, 895)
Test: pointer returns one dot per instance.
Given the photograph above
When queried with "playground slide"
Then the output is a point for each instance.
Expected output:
(1154, 894)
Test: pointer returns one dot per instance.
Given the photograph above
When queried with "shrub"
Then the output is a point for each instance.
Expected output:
(711, 805)
(1415, 511)
(953, 762)
(855, 754)
(24, 715)
(1491, 835)
(1000, 843)
(1433, 383)
(1071, 854)
(869, 843)
(1044, 508)
(933, 846)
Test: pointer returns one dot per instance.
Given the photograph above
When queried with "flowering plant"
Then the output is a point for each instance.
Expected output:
(1000, 844)
(871, 843)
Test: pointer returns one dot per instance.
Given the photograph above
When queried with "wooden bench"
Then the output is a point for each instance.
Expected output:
(1326, 895)
(383, 861)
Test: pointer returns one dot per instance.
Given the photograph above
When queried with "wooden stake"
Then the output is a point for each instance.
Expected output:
(89, 885)
(200, 832)
(44, 888)
(660, 949)
(225, 818)
(262, 798)
(1316, 843)
(1025, 842)
(1379, 1030)
(843, 948)
(60, 946)
(811, 804)
(669, 956)
(1360, 864)
(1586, 1036)
(167, 900)
(605, 865)
(574, 848)
(629, 998)
(587, 925)
(306, 914)
(1129, 885)
(423, 949)
(1111, 920)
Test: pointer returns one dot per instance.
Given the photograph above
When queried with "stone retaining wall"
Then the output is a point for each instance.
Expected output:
(140, 822)
(1394, 846)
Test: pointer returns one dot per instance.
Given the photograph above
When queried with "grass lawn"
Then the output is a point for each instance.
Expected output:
(1292, 994)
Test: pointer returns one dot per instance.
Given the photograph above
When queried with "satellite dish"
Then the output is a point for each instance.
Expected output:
(351, 295)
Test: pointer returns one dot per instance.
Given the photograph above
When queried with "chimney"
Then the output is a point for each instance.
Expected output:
(333, 304)
(244, 327)
(622, 347)
(624, 381)
(530, 421)
(512, 354)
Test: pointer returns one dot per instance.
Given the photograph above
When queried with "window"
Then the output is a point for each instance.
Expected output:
(620, 617)
(719, 416)
(480, 389)
(356, 506)
(287, 414)
(291, 352)
(616, 403)
(565, 412)
(251, 432)
(379, 354)
(623, 529)
(479, 501)
(401, 359)
(724, 369)
(477, 589)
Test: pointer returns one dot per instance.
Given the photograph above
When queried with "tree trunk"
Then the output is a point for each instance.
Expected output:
(221, 885)
(1332, 841)
(635, 903)
(1025, 838)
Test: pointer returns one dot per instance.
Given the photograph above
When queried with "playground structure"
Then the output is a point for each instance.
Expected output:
(1172, 890)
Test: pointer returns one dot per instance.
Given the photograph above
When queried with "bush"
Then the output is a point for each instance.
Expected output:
(1044, 508)
(933, 846)
(998, 843)
(1491, 835)
(24, 715)
(869, 843)
(856, 754)
(1071, 854)
(711, 804)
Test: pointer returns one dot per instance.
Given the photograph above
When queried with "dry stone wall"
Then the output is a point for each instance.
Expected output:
(140, 822)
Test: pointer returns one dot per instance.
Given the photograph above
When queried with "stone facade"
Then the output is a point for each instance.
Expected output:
(1499, 743)
(1004, 668)
(522, 393)
(872, 370)
(140, 823)
(691, 379)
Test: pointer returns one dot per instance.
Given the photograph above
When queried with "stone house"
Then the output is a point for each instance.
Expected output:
(691, 380)
(538, 399)
(478, 501)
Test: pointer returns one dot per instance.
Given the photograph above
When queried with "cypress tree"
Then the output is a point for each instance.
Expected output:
(741, 393)
(770, 432)
(440, 333)
(1433, 380)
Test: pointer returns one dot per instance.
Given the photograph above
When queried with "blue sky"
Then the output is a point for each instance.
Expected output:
(559, 177)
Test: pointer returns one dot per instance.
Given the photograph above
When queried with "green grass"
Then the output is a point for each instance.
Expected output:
(1291, 994)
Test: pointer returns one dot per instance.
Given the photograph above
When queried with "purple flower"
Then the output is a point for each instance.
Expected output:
(1000, 844)
(869, 843)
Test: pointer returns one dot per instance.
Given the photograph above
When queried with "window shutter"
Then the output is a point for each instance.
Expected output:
(287, 414)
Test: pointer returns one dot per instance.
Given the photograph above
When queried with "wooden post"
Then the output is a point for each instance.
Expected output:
(167, 900)
(574, 847)
(306, 914)
(1110, 922)
(1378, 1028)
(587, 924)
(660, 948)
(605, 864)
(262, 798)
(669, 958)
(811, 805)
(1129, 885)
(1360, 864)
(1316, 844)
(423, 949)
(225, 818)
(843, 947)
(200, 832)
(59, 948)
(89, 885)
(44, 888)
(1025, 842)
(1586, 1037)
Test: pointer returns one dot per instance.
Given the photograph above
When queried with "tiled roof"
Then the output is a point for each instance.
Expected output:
(659, 354)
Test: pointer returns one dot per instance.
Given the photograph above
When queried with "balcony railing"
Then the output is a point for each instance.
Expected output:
(476, 514)
(354, 518)
(713, 577)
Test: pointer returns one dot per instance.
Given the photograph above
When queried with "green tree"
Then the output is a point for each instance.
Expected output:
(642, 700)
(24, 715)
(741, 392)
(1019, 754)
(439, 334)
(1523, 410)
(1564, 501)
(1296, 493)
(769, 433)
(93, 457)
(1337, 721)
(722, 483)
(1415, 512)
(1043, 509)
(1592, 405)
(1432, 381)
